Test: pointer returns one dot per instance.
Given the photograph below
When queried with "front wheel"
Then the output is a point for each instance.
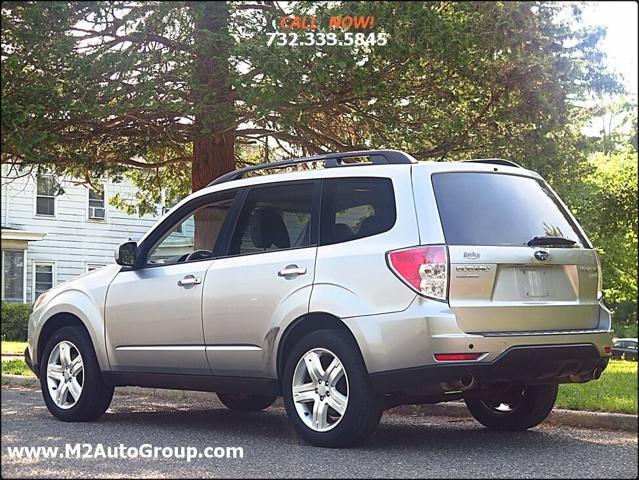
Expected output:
(526, 408)
(243, 402)
(327, 392)
(70, 377)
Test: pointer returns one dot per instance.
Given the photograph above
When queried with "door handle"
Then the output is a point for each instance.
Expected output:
(292, 270)
(189, 280)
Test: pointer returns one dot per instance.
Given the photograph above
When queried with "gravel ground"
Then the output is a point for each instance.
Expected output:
(403, 446)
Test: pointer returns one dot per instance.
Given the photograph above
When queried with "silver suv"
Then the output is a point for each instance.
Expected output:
(372, 282)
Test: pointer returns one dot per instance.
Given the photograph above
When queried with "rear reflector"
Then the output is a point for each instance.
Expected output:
(456, 357)
(425, 269)
(607, 349)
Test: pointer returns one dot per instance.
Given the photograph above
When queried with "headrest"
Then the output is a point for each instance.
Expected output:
(342, 232)
(267, 228)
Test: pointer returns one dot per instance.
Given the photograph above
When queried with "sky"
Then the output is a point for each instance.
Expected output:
(620, 43)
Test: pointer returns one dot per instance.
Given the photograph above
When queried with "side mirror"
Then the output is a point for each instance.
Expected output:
(126, 253)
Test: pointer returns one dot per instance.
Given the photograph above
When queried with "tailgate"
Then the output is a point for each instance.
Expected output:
(508, 289)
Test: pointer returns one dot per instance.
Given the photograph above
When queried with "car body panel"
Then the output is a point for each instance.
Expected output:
(246, 302)
(155, 325)
(83, 297)
(352, 278)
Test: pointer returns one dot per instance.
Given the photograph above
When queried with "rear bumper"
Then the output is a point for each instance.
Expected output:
(522, 364)
(411, 338)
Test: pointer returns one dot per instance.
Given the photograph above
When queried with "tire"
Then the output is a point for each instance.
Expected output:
(527, 411)
(243, 402)
(314, 418)
(94, 396)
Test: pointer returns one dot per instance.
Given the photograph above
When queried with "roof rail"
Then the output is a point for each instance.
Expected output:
(332, 160)
(495, 161)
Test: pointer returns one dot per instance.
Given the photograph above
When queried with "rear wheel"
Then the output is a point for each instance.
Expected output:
(327, 391)
(70, 377)
(243, 402)
(526, 408)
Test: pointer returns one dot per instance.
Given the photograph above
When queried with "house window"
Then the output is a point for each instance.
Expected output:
(96, 204)
(42, 278)
(94, 266)
(13, 275)
(45, 196)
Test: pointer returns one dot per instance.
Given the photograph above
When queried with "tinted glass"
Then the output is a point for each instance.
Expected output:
(495, 209)
(355, 208)
(199, 232)
(274, 218)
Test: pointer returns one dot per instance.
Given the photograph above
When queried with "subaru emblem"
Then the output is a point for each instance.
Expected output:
(542, 255)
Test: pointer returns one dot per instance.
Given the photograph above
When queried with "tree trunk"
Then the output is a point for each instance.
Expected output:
(212, 157)
(212, 95)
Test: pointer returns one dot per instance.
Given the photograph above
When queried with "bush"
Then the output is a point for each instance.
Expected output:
(15, 318)
(624, 319)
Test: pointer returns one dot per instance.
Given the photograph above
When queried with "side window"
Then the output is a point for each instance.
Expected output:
(355, 208)
(97, 209)
(42, 278)
(45, 196)
(274, 218)
(193, 237)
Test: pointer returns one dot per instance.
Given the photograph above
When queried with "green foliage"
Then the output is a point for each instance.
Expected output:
(102, 88)
(605, 203)
(15, 320)
(16, 367)
(602, 193)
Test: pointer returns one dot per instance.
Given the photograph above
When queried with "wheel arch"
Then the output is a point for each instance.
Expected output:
(55, 323)
(303, 325)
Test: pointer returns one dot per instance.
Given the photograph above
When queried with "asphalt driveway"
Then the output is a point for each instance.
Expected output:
(402, 446)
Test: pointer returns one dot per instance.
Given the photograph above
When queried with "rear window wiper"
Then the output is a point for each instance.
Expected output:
(559, 241)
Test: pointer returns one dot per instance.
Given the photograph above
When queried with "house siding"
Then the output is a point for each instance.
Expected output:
(72, 240)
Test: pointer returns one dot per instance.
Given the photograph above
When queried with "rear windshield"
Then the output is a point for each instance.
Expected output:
(497, 209)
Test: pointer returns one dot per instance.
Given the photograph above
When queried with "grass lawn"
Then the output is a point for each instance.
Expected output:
(13, 347)
(615, 391)
(16, 367)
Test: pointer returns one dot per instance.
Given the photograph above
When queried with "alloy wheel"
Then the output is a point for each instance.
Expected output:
(65, 374)
(320, 389)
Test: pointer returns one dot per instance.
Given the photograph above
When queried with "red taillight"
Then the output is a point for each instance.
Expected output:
(607, 349)
(456, 357)
(425, 269)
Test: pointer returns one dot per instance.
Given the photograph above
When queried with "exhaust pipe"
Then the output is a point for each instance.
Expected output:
(467, 382)
(594, 375)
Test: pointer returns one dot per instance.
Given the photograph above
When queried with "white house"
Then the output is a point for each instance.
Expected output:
(51, 236)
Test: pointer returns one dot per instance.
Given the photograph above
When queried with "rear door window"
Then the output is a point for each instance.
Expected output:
(274, 218)
(497, 209)
(354, 208)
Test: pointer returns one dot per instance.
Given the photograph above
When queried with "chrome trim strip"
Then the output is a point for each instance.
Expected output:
(168, 348)
(233, 348)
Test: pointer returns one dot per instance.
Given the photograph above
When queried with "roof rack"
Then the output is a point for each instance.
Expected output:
(332, 160)
(495, 161)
